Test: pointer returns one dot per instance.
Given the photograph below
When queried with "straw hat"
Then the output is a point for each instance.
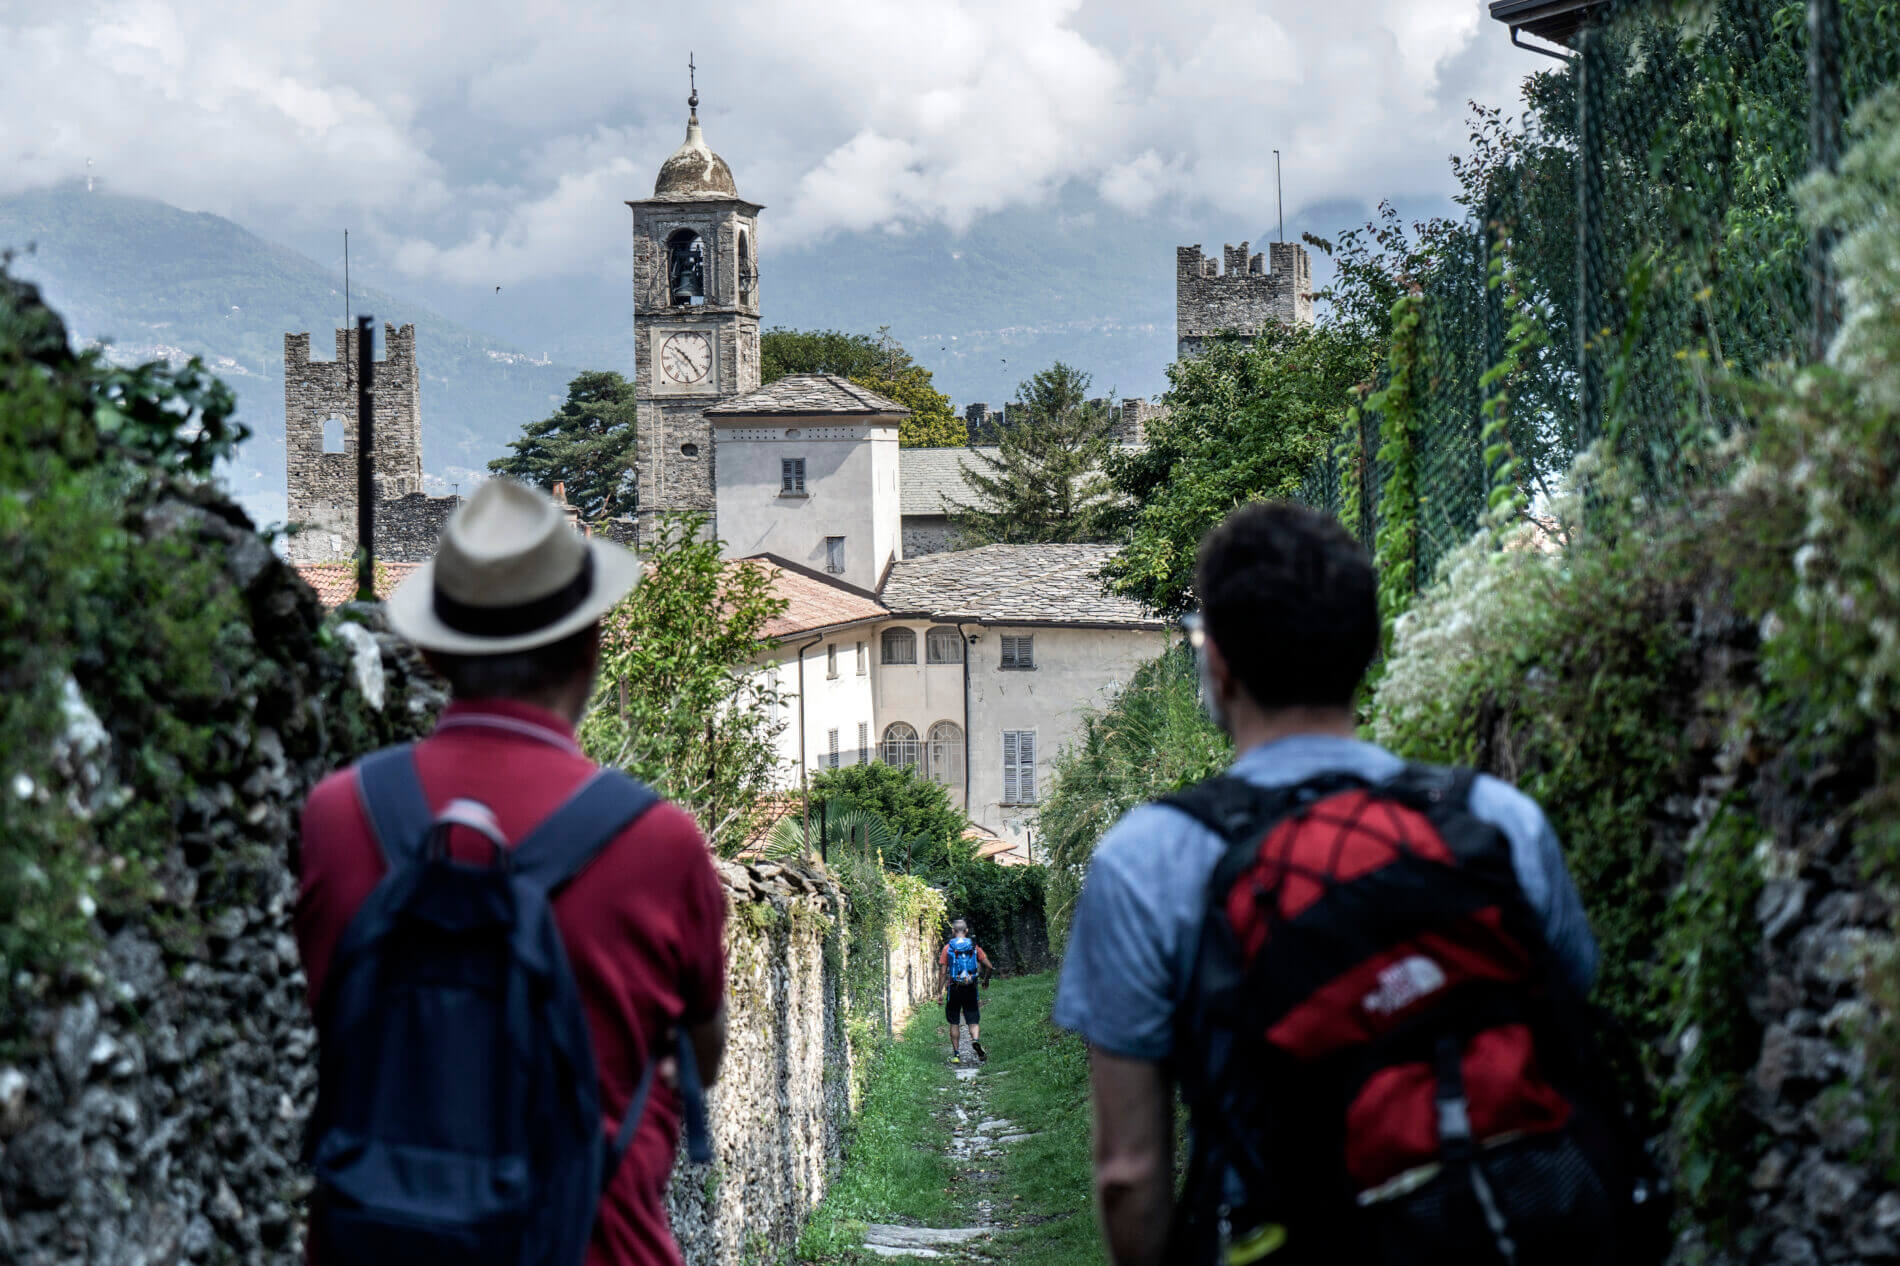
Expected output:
(510, 574)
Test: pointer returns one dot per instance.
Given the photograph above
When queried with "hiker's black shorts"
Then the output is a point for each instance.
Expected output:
(961, 1000)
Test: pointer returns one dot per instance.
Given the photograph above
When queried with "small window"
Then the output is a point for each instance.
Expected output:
(831, 754)
(689, 449)
(831, 659)
(943, 646)
(333, 434)
(1019, 651)
(900, 646)
(864, 742)
(864, 658)
(791, 476)
(834, 555)
(1019, 767)
(900, 746)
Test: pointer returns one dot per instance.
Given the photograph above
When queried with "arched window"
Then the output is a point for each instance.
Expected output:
(333, 434)
(943, 646)
(685, 268)
(943, 757)
(900, 746)
(900, 646)
(748, 268)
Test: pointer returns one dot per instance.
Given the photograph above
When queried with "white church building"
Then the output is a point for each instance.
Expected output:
(972, 666)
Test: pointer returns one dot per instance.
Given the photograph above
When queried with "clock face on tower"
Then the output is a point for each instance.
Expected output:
(686, 357)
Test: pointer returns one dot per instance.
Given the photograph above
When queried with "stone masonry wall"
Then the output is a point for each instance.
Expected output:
(322, 486)
(1244, 298)
(154, 1114)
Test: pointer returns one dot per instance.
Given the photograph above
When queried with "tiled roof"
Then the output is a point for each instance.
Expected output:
(1004, 583)
(930, 480)
(812, 603)
(807, 393)
(335, 583)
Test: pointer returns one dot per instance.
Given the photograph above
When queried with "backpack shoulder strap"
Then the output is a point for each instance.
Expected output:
(573, 835)
(1443, 787)
(1238, 810)
(393, 800)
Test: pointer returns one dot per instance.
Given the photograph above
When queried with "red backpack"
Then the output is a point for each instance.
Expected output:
(1383, 1062)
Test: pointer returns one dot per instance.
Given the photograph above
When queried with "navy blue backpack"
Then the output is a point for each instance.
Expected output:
(458, 1110)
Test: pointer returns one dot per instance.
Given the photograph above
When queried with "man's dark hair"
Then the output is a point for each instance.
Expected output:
(1289, 597)
(535, 671)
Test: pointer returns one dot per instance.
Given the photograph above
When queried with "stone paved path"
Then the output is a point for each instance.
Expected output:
(975, 1142)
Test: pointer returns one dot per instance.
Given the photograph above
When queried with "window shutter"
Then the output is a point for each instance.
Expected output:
(1026, 762)
(832, 737)
(1009, 767)
(864, 742)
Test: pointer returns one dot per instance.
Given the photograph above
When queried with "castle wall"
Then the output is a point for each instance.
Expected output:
(1244, 298)
(322, 486)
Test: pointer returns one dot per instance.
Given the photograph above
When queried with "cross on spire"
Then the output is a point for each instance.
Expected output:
(692, 79)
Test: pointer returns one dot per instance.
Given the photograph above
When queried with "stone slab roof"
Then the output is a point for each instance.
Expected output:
(335, 583)
(930, 479)
(812, 602)
(1001, 584)
(796, 394)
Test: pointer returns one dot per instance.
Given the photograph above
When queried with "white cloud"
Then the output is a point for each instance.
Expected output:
(483, 140)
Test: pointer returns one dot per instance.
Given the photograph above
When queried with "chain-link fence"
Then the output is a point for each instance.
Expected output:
(1629, 245)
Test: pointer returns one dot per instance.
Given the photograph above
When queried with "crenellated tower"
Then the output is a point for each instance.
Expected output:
(320, 437)
(1243, 298)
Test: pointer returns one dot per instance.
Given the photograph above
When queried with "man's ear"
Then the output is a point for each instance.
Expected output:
(1219, 675)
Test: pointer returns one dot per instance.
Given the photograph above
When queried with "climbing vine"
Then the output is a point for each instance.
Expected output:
(1395, 548)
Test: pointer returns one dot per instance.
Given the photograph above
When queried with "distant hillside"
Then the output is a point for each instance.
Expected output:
(159, 283)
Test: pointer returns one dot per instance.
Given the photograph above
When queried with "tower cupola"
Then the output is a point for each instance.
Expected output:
(694, 171)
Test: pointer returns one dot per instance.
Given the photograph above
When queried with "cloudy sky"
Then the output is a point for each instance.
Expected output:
(483, 141)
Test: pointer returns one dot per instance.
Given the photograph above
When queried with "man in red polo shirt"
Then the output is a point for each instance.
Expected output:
(508, 612)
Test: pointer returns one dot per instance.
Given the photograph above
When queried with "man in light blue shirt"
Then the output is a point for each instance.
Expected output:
(1291, 623)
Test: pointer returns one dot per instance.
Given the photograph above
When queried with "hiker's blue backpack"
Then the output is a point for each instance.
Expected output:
(962, 959)
(458, 1118)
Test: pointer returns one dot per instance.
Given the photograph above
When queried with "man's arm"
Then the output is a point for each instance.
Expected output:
(988, 970)
(943, 970)
(1134, 1156)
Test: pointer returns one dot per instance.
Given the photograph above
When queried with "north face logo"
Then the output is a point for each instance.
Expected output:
(1404, 983)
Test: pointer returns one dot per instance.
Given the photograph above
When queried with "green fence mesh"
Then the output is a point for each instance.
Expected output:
(1645, 212)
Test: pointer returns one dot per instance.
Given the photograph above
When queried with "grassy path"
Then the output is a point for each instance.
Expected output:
(1001, 1150)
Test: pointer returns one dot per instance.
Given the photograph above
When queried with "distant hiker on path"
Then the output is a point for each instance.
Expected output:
(1366, 976)
(959, 963)
(515, 959)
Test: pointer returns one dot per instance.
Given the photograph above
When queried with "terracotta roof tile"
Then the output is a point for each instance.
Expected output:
(813, 602)
(335, 583)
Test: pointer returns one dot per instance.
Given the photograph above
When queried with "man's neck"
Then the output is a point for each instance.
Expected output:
(1254, 727)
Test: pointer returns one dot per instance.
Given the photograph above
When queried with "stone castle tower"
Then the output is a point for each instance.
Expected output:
(695, 319)
(320, 437)
(1243, 299)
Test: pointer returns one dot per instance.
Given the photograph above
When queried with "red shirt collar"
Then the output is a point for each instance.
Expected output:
(509, 716)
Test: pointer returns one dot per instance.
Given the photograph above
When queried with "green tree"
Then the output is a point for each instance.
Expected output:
(589, 442)
(1045, 482)
(678, 704)
(1244, 422)
(877, 364)
(916, 811)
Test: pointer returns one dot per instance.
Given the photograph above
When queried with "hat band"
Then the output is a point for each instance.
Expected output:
(477, 621)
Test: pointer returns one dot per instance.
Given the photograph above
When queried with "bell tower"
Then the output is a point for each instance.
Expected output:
(695, 319)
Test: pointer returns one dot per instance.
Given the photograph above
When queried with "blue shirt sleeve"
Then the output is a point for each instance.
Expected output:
(1539, 861)
(1118, 974)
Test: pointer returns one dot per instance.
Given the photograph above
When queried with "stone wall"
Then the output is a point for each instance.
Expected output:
(1242, 300)
(152, 1103)
(408, 528)
(322, 485)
